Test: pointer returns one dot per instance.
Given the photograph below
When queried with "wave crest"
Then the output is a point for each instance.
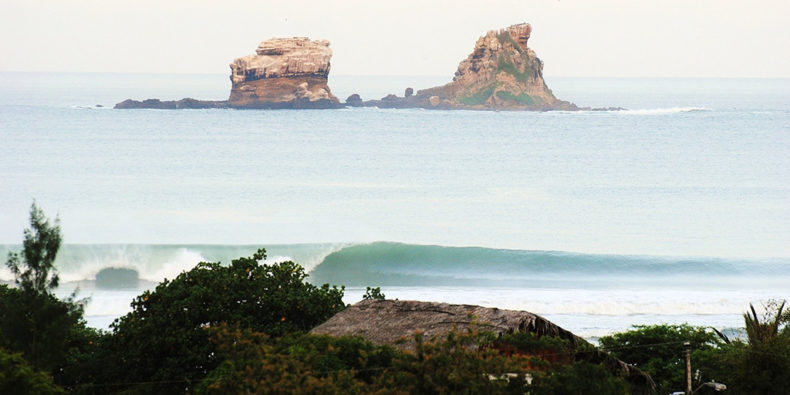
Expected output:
(662, 111)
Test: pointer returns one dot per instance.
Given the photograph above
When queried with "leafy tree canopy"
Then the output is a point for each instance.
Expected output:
(32, 320)
(34, 270)
(17, 377)
(658, 350)
(163, 339)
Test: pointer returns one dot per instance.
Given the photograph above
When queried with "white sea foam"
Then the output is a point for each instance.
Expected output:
(184, 259)
(626, 302)
(5, 274)
(592, 314)
(662, 111)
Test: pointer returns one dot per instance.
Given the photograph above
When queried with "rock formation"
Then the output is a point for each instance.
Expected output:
(501, 73)
(283, 73)
(187, 103)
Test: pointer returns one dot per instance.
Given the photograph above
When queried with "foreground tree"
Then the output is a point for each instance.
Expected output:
(34, 270)
(761, 365)
(163, 340)
(32, 320)
(757, 365)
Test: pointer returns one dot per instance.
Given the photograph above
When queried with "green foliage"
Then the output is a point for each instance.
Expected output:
(256, 363)
(478, 97)
(764, 330)
(84, 360)
(505, 64)
(578, 378)
(17, 377)
(34, 270)
(658, 350)
(373, 294)
(469, 362)
(163, 338)
(762, 364)
(37, 325)
(505, 37)
(549, 348)
(32, 320)
(457, 363)
(522, 98)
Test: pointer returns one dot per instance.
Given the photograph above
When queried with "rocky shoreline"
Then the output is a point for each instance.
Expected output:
(500, 74)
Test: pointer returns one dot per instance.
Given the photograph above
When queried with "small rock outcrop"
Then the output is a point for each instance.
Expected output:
(354, 100)
(187, 103)
(283, 73)
(501, 73)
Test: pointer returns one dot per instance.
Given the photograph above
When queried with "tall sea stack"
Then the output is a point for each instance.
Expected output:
(502, 72)
(283, 73)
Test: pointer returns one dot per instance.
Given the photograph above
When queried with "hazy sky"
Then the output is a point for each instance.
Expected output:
(622, 38)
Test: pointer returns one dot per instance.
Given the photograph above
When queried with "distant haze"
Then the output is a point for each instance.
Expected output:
(614, 38)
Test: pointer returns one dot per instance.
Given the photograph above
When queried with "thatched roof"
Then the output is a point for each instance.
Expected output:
(393, 321)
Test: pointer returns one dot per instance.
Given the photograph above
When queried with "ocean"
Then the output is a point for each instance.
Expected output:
(674, 210)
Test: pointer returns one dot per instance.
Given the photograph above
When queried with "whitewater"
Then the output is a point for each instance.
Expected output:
(675, 210)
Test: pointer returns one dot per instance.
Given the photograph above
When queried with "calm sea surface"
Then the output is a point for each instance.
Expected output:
(691, 182)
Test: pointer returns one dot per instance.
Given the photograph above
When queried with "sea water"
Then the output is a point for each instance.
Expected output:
(674, 210)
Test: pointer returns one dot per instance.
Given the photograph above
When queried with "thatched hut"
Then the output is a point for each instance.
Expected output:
(393, 322)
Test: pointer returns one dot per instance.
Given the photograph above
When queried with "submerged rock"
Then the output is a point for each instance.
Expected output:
(187, 103)
(354, 100)
(114, 277)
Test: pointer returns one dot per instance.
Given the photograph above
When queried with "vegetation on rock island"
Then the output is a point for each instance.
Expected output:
(242, 328)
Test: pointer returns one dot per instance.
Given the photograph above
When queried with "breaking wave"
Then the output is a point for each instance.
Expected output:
(396, 264)
(410, 265)
(154, 263)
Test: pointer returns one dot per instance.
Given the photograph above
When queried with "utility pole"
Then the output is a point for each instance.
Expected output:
(687, 353)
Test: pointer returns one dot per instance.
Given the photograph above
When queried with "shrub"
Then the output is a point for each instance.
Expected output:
(658, 350)
(373, 294)
(256, 363)
(17, 377)
(163, 339)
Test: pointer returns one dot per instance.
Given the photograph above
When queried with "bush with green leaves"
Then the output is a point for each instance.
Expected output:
(761, 364)
(373, 294)
(658, 350)
(579, 378)
(459, 362)
(256, 363)
(163, 341)
(17, 377)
